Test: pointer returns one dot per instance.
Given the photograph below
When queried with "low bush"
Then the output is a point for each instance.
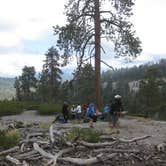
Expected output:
(49, 109)
(9, 139)
(44, 125)
(86, 134)
(30, 105)
(10, 108)
(162, 112)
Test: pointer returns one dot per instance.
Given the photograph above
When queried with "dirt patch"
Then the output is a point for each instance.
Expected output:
(129, 127)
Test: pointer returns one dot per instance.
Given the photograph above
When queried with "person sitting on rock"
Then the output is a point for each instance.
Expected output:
(73, 111)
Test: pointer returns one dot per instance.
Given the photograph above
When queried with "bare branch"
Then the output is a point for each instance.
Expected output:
(57, 155)
(83, 51)
(134, 139)
(92, 160)
(102, 49)
(87, 58)
(42, 152)
(87, 14)
(86, 5)
(106, 12)
(107, 64)
(96, 145)
(85, 36)
(115, 150)
(51, 134)
(110, 22)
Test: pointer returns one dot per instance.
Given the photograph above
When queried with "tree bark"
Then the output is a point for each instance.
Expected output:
(97, 55)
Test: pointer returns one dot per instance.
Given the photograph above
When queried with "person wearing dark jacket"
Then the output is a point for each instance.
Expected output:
(116, 109)
(65, 112)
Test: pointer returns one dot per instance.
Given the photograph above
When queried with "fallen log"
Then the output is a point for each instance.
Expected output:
(13, 160)
(42, 152)
(53, 158)
(96, 145)
(26, 155)
(92, 160)
(57, 155)
(34, 135)
(35, 158)
(14, 149)
(137, 157)
(116, 150)
(22, 147)
(51, 134)
(108, 137)
(32, 140)
(24, 163)
(134, 139)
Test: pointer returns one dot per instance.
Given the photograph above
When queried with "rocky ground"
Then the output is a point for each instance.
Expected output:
(129, 126)
(136, 142)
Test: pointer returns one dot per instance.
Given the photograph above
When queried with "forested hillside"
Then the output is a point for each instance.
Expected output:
(148, 100)
(135, 73)
(147, 94)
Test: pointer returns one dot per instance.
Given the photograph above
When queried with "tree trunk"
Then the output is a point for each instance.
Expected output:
(97, 55)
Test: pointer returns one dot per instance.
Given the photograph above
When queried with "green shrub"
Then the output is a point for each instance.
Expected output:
(162, 116)
(9, 139)
(86, 134)
(10, 108)
(162, 112)
(49, 109)
(44, 125)
(30, 105)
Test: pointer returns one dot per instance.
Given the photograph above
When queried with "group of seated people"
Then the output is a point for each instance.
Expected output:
(80, 112)
(76, 111)
(90, 113)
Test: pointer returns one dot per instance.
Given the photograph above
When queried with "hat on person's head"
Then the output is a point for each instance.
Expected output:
(117, 97)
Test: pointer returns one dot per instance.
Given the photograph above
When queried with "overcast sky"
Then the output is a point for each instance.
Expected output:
(26, 32)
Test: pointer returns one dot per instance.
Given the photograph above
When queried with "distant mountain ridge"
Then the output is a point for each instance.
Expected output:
(7, 90)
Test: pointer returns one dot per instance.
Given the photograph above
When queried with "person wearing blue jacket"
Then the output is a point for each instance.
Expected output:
(106, 113)
(91, 114)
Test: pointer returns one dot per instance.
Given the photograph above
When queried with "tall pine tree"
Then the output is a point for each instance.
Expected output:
(28, 83)
(51, 76)
(90, 20)
(83, 84)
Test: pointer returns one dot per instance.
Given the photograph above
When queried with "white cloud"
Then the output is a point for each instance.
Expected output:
(11, 65)
(149, 16)
(9, 39)
(31, 20)
(25, 20)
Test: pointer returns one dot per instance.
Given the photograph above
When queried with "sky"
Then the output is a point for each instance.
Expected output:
(26, 33)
